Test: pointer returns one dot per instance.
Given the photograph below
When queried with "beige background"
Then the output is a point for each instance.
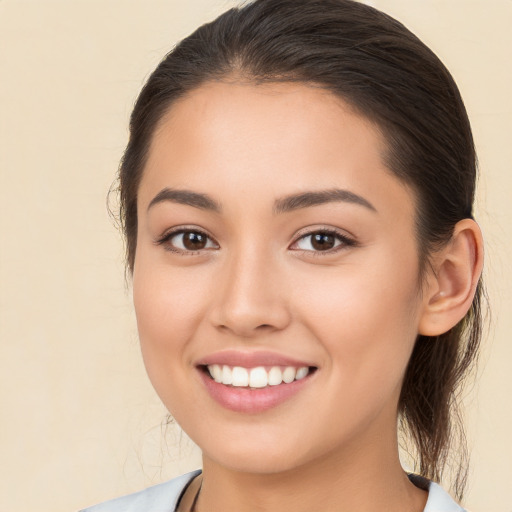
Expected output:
(79, 421)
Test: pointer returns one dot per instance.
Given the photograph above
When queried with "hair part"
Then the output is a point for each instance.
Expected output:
(389, 76)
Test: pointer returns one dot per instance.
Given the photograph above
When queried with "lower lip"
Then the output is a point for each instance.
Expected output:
(252, 400)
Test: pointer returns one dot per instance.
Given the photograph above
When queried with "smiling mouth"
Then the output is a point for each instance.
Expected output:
(258, 377)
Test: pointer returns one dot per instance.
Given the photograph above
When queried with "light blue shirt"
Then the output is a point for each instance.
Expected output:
(165, 497)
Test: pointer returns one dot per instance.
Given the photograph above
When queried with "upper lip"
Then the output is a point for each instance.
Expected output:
(250, 359)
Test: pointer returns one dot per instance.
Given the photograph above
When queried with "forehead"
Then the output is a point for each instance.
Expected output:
(268, 140)
(275, 114)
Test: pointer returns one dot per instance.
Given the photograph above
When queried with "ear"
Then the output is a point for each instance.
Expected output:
(453, 280)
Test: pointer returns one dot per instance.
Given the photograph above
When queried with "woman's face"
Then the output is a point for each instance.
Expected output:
(274, 244)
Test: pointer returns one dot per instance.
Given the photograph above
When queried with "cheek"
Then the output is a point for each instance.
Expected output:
(167, 301)
(168, 307)
(367, 320)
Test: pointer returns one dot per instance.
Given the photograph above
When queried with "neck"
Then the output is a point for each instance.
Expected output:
(365, 478)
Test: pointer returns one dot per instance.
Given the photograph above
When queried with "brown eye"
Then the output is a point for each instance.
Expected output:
(319, 241)
(194, 241)
(187, 241)
(322, 241)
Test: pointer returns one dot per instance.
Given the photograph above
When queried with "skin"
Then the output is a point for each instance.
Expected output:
(352, 312)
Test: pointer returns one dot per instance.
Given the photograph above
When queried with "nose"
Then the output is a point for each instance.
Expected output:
(251, 299)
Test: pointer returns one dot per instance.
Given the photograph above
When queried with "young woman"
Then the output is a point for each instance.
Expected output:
(296, 196)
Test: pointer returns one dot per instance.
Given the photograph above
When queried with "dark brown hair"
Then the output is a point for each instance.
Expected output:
(389, 76)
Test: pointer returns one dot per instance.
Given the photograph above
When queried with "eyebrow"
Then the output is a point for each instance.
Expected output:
(315, 198)
(281, 205)
(187, 197)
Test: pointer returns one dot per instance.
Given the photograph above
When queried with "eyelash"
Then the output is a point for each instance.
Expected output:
(166, 237)
(344, 239)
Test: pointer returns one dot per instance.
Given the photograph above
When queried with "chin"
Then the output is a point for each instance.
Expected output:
(261, 463)
(275, 452)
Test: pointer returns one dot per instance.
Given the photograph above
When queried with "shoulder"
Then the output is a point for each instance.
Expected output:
(438, 499)
(158, 498)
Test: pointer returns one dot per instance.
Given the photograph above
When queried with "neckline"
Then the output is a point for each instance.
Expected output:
(190, 493)
(436, 494)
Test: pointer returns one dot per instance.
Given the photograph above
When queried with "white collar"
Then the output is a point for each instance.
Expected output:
(440, 501)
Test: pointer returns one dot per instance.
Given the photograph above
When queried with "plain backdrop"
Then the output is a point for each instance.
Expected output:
(79, 420)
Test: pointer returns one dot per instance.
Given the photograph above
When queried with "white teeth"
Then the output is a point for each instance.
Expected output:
(216, 372)
(227, 375)
(289, 374)
(275, 376)
(240, 376)
(257, 377)
(302, 372)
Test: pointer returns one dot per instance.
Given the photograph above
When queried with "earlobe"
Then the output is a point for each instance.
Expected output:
(451, 289)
